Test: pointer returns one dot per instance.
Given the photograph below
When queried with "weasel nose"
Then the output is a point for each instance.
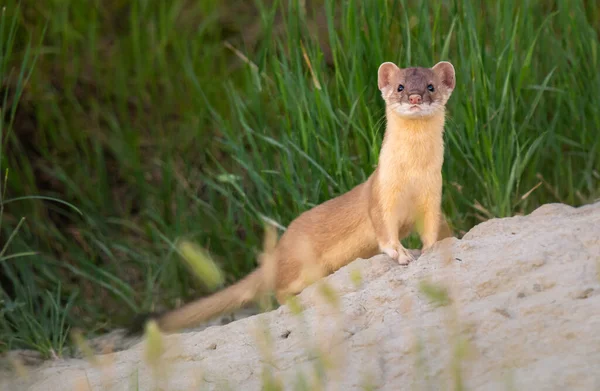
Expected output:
(415, 99)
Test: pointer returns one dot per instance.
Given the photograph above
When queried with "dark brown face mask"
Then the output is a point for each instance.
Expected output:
(416, 92)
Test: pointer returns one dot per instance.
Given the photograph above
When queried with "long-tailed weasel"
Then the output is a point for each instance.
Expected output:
(372, 218)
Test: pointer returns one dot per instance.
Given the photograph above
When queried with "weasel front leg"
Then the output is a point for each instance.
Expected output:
(430, 229)
(387, 227)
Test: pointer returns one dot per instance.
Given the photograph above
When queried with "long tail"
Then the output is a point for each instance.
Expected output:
(259, 282)
(226, 300)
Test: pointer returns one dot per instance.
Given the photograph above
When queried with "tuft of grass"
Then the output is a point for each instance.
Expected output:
(201, 120)
(437, 294)
(201, 264)
(294, 305)
(154, 343)
(30, 317)
(329, 294)
(37, 323)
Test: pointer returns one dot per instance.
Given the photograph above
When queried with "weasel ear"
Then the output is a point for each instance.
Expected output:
(445, 71)
(386, 72)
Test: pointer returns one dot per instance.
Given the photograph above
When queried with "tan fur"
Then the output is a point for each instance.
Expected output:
(405, 188)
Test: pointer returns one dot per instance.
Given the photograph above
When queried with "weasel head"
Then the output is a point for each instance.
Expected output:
(416, 92)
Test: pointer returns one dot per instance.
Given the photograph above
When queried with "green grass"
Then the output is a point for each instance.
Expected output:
(141, 116)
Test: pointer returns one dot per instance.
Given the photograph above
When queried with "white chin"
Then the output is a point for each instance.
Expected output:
(410, 111)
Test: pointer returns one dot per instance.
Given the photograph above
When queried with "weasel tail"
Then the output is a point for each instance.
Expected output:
(256, 284)
(228, 299)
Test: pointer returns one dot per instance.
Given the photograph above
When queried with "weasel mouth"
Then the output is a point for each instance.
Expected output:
(415, 108)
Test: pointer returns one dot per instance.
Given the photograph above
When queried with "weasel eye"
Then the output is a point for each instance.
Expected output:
(400, 88)
(430, 87)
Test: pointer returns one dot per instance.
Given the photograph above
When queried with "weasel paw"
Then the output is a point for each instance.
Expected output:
(405, 257)
(400, 254)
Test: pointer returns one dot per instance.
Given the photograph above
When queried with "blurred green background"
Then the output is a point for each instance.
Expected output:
(128, 125)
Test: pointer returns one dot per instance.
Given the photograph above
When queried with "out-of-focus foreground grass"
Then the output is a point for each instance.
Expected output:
(167, 120)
